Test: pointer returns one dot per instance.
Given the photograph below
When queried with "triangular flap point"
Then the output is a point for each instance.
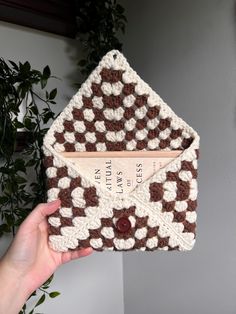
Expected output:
(116, 110)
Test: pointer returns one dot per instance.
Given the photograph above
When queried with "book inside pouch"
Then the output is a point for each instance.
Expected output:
(119, 172)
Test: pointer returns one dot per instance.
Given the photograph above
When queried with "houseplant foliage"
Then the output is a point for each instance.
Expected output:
(98, 26)
(22, 175)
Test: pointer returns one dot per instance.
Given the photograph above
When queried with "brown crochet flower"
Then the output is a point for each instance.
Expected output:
(124, 224)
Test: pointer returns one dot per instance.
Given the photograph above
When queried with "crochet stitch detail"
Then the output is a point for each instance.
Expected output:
(115, 110)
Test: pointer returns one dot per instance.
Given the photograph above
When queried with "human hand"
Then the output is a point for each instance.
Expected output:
(29, 261)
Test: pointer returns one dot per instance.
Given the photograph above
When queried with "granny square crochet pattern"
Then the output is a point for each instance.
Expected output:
(115, 110)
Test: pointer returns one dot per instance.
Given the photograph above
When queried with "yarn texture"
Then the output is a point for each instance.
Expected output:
(115, 110)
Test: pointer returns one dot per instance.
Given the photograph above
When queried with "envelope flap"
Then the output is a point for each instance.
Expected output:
(116, 110)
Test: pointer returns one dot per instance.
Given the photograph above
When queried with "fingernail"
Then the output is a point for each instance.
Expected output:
(53, 202)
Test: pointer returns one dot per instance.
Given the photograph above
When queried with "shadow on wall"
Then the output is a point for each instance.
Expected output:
(75, 53)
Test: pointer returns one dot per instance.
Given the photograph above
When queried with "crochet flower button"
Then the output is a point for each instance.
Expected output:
(118, 232)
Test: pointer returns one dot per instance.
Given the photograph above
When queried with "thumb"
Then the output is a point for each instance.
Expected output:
(40, 212)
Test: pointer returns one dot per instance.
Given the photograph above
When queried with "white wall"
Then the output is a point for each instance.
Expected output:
(185, 50)
(93, 284)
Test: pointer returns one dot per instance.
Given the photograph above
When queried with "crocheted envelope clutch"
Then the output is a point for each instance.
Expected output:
(115, 110)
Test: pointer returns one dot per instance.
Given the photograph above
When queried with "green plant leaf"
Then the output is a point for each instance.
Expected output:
(46, 72)
(54, 294)
(32, 295)
(14, 65)
(8, 188)
(30, 163)
(45, 76)
(53, 93)
(48, 116)
(20, 179)
(52, 102)
(26, 67)
(34, 110)
(3, 199)
(41, 300)
(49, 280)
(19, 165)
(5, 170)
(29, 124)
(43, 82)
(18, 124)
(4, 228)
(10, 219)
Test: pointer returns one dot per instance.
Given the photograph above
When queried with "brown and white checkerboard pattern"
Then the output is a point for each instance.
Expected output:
(115, 110)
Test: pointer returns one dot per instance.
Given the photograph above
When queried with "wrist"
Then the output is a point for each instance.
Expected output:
(13, 291)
